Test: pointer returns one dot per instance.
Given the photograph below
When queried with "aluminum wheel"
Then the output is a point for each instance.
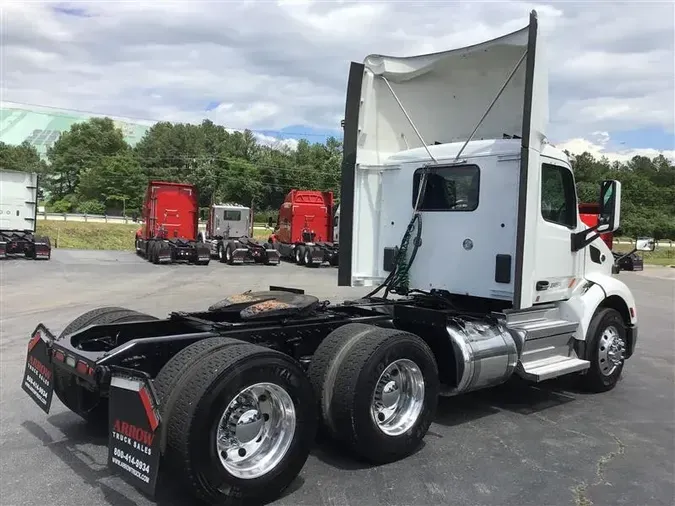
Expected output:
(256, 430)
(611, 351)
(399, 397)
(228, 253)
(220, 251)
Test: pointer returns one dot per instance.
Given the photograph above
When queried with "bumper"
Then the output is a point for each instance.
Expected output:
(243, 255)
(46, 355)
(632, 337)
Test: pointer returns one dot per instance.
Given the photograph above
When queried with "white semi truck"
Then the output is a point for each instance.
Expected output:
(18, 217)
(229, 234)
(453, 200)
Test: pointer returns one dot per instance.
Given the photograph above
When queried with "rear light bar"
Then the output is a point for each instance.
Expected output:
(80, 365)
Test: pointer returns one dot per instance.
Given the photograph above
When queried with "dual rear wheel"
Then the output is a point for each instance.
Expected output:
(240, 420)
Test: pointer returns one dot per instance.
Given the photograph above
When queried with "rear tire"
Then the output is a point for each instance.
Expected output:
(78, 399)
(203, 406)
(229, 253)
(309, 259)
(361, 374)
(221, 253)
(299, 254)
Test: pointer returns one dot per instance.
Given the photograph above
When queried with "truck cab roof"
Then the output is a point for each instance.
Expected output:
(474, 149)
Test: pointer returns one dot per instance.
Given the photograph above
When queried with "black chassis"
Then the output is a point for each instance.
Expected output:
(321, 251)
(247, 250)
(25, 243)
(92, 354)
(176, 249)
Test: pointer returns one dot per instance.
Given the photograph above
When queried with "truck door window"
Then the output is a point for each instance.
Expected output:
(448, 188)
(558, 195)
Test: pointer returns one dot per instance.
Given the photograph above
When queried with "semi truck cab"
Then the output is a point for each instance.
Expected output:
(452, 189)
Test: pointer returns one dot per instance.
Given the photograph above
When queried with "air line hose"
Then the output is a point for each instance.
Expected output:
(398, 281)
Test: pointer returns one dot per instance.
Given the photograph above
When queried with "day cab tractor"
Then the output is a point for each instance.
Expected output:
(589, 213)
(170, 225)
(18, 217)
(228, 400)
(229, 235)
(304, 231)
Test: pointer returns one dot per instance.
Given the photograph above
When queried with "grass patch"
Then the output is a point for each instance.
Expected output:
(101, 236)
(662, 255)
(92, 236)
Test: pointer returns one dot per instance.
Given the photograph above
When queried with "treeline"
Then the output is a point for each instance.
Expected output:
(91, 169)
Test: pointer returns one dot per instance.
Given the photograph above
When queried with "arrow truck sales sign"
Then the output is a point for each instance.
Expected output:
(134, 442)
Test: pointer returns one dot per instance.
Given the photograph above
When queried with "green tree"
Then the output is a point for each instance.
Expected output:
(81, 148)
(117, 183)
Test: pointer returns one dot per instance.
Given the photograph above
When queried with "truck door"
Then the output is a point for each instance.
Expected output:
(557, 267)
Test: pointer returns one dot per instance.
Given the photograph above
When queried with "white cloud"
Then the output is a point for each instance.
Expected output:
(270, 65)
(600, 146)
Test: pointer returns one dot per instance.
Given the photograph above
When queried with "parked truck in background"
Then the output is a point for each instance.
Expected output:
(229, 235)
(229, 399)
(304, 230)
(18, 217)
(170, 225)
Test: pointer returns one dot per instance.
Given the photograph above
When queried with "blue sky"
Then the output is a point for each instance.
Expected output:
(280, 68)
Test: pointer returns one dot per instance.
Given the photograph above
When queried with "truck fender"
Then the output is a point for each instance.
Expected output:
(592, 297)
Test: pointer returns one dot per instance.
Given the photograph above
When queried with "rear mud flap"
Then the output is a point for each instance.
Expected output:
(134, 425)
(273, 256)
(203, 252)
(317, 256)
(240, 256)
(38, 378)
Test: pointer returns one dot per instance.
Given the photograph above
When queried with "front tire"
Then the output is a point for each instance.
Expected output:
(242, 425)
(606, 348)
(377, 388)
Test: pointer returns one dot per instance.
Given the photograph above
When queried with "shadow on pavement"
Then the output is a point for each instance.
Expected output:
(515, 396)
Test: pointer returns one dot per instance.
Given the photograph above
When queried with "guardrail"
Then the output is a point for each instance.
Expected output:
(93, 218)
(102, 218)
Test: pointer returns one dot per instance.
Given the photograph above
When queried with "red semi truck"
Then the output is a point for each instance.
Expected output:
(169, 231)
(304, 231)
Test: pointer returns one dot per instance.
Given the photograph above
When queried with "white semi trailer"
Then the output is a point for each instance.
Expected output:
(18, 217)
(452, 199)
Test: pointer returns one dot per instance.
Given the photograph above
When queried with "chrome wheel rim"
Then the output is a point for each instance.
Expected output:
(256, 430)
(611, 351)
(220, 252)
(398, 398)
(308, 257)
(228, 253)
(297, 255)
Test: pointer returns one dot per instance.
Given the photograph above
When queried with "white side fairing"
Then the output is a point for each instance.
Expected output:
(496, 90)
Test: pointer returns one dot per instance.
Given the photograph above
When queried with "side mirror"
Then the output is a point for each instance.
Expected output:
(610, 206)
(645, 244)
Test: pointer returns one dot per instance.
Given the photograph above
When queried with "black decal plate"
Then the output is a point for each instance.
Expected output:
(38, 379)
(134, 441)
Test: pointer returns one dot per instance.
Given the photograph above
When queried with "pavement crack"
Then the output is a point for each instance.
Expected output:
(561, 427)
(580, 491)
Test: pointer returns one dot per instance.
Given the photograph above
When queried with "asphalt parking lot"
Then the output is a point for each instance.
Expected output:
(512, 445)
